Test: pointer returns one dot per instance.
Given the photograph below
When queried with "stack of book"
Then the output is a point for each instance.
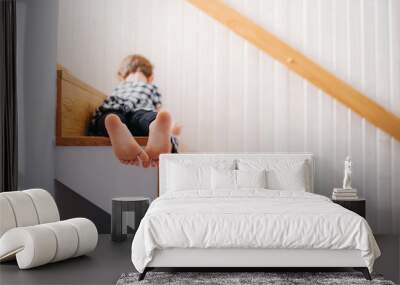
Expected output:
(344, 194)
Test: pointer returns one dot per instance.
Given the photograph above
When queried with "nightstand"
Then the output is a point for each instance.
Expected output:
(357, 205)
(127, 212)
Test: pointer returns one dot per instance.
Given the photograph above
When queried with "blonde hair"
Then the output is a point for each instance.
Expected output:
(135, 63)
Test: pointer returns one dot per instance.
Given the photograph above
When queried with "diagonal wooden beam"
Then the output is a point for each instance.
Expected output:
(302, 65)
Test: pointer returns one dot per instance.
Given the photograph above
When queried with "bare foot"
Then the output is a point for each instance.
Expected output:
(131, 162)
(159, 137)
(124, 145)
(177, 129)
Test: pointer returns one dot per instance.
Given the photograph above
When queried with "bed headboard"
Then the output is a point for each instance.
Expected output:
(165, 159)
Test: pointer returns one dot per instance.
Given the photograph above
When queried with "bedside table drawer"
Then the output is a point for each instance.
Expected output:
(357, 206)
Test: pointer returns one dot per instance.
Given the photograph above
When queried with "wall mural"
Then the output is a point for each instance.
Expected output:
(151, 77)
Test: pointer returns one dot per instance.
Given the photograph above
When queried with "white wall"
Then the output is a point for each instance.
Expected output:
(36, 88)
(232, 97)
(95, 174)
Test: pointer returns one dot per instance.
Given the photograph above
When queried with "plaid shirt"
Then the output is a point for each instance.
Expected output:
(132, 96)
(128, 97)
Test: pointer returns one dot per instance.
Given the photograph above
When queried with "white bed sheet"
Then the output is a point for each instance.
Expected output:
(250, 218)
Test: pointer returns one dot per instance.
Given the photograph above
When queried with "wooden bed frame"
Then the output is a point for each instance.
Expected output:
(76, 102)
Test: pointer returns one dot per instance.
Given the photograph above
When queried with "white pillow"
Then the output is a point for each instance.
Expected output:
(236, 179)
(282, 174)
(223, 179)
(182, 177)
(251, 178)
(287, 179)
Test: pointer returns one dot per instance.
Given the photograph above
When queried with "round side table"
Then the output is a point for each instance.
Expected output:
(127, 212)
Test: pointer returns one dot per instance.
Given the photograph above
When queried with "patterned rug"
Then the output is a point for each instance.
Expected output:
(229, 278)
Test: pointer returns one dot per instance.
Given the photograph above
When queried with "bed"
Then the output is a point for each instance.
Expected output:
(247, 210)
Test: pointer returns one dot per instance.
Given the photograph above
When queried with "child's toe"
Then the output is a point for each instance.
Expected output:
(144, 158)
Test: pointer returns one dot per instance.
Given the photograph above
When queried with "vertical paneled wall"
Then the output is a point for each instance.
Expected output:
(232, 97)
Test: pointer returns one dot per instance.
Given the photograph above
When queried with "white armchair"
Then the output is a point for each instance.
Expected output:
(31, 230)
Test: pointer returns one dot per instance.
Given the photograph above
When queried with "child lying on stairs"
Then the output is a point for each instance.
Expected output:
(133, 109)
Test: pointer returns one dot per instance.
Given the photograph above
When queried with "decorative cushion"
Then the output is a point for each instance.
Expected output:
(251, 178)
(171, 170)
(287, 179)
(223, 179)
(282, 174)
(237, 179)
(182, 178)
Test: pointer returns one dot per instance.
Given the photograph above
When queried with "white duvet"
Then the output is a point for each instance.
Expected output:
(250, 218)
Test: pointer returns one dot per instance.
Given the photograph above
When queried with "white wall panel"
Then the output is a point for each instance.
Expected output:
(232, 97)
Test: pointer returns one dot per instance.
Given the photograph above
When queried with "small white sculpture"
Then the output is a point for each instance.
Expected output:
(347, 173)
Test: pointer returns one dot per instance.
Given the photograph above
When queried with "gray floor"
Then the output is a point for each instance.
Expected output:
(103, 266)
(109, 260)
(389, 262)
